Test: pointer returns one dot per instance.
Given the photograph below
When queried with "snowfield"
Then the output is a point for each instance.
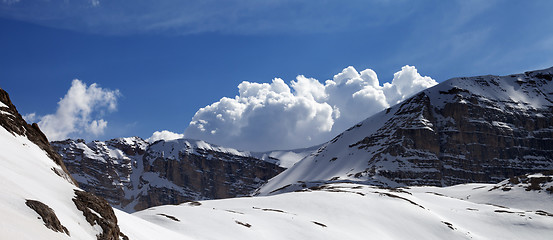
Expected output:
(354, 211)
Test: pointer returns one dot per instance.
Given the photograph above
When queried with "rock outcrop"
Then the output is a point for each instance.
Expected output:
(477, 129)
(133, 174)
(98, 212)
(47, 215)
(529, 182)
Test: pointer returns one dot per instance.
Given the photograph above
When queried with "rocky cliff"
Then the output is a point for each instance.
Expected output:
(104, 168)
(133, 174)
(476, 129)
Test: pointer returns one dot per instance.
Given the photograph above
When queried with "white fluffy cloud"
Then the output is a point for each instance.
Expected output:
(303, 113)
(164, 135)
(78, 112)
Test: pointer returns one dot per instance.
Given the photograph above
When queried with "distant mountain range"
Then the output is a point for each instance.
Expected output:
(133, 174)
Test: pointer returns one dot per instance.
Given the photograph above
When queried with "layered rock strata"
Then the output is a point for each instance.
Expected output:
(133, 174)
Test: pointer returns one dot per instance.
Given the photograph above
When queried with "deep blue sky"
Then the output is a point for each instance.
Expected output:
(166, 67)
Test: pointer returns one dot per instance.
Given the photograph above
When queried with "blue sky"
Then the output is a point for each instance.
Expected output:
(169, 58)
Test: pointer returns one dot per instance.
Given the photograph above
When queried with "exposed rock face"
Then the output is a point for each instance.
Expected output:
(104, 168)
(48, 216)
(478, 129)
(133, 174)
(207, 173)
(98, 212)
(12, 121)
(490, 139)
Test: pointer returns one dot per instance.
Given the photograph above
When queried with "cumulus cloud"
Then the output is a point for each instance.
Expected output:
(276, 115)
(78, 112)
(405, 83)
(164, 135)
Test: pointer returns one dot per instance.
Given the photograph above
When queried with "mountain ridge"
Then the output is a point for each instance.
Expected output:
(470, 129)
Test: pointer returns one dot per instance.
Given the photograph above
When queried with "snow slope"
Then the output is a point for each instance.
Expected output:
(355, 211)
(29, 174)
(477, 129)
(285, 158)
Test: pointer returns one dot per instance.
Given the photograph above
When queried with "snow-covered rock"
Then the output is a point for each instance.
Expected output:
(475, 129)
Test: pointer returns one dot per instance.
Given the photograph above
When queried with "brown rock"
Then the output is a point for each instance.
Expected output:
(92, 205)
(48, 215)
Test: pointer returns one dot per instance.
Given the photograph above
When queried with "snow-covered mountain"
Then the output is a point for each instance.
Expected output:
(133, 174)
(39, 199)
(475, 129)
